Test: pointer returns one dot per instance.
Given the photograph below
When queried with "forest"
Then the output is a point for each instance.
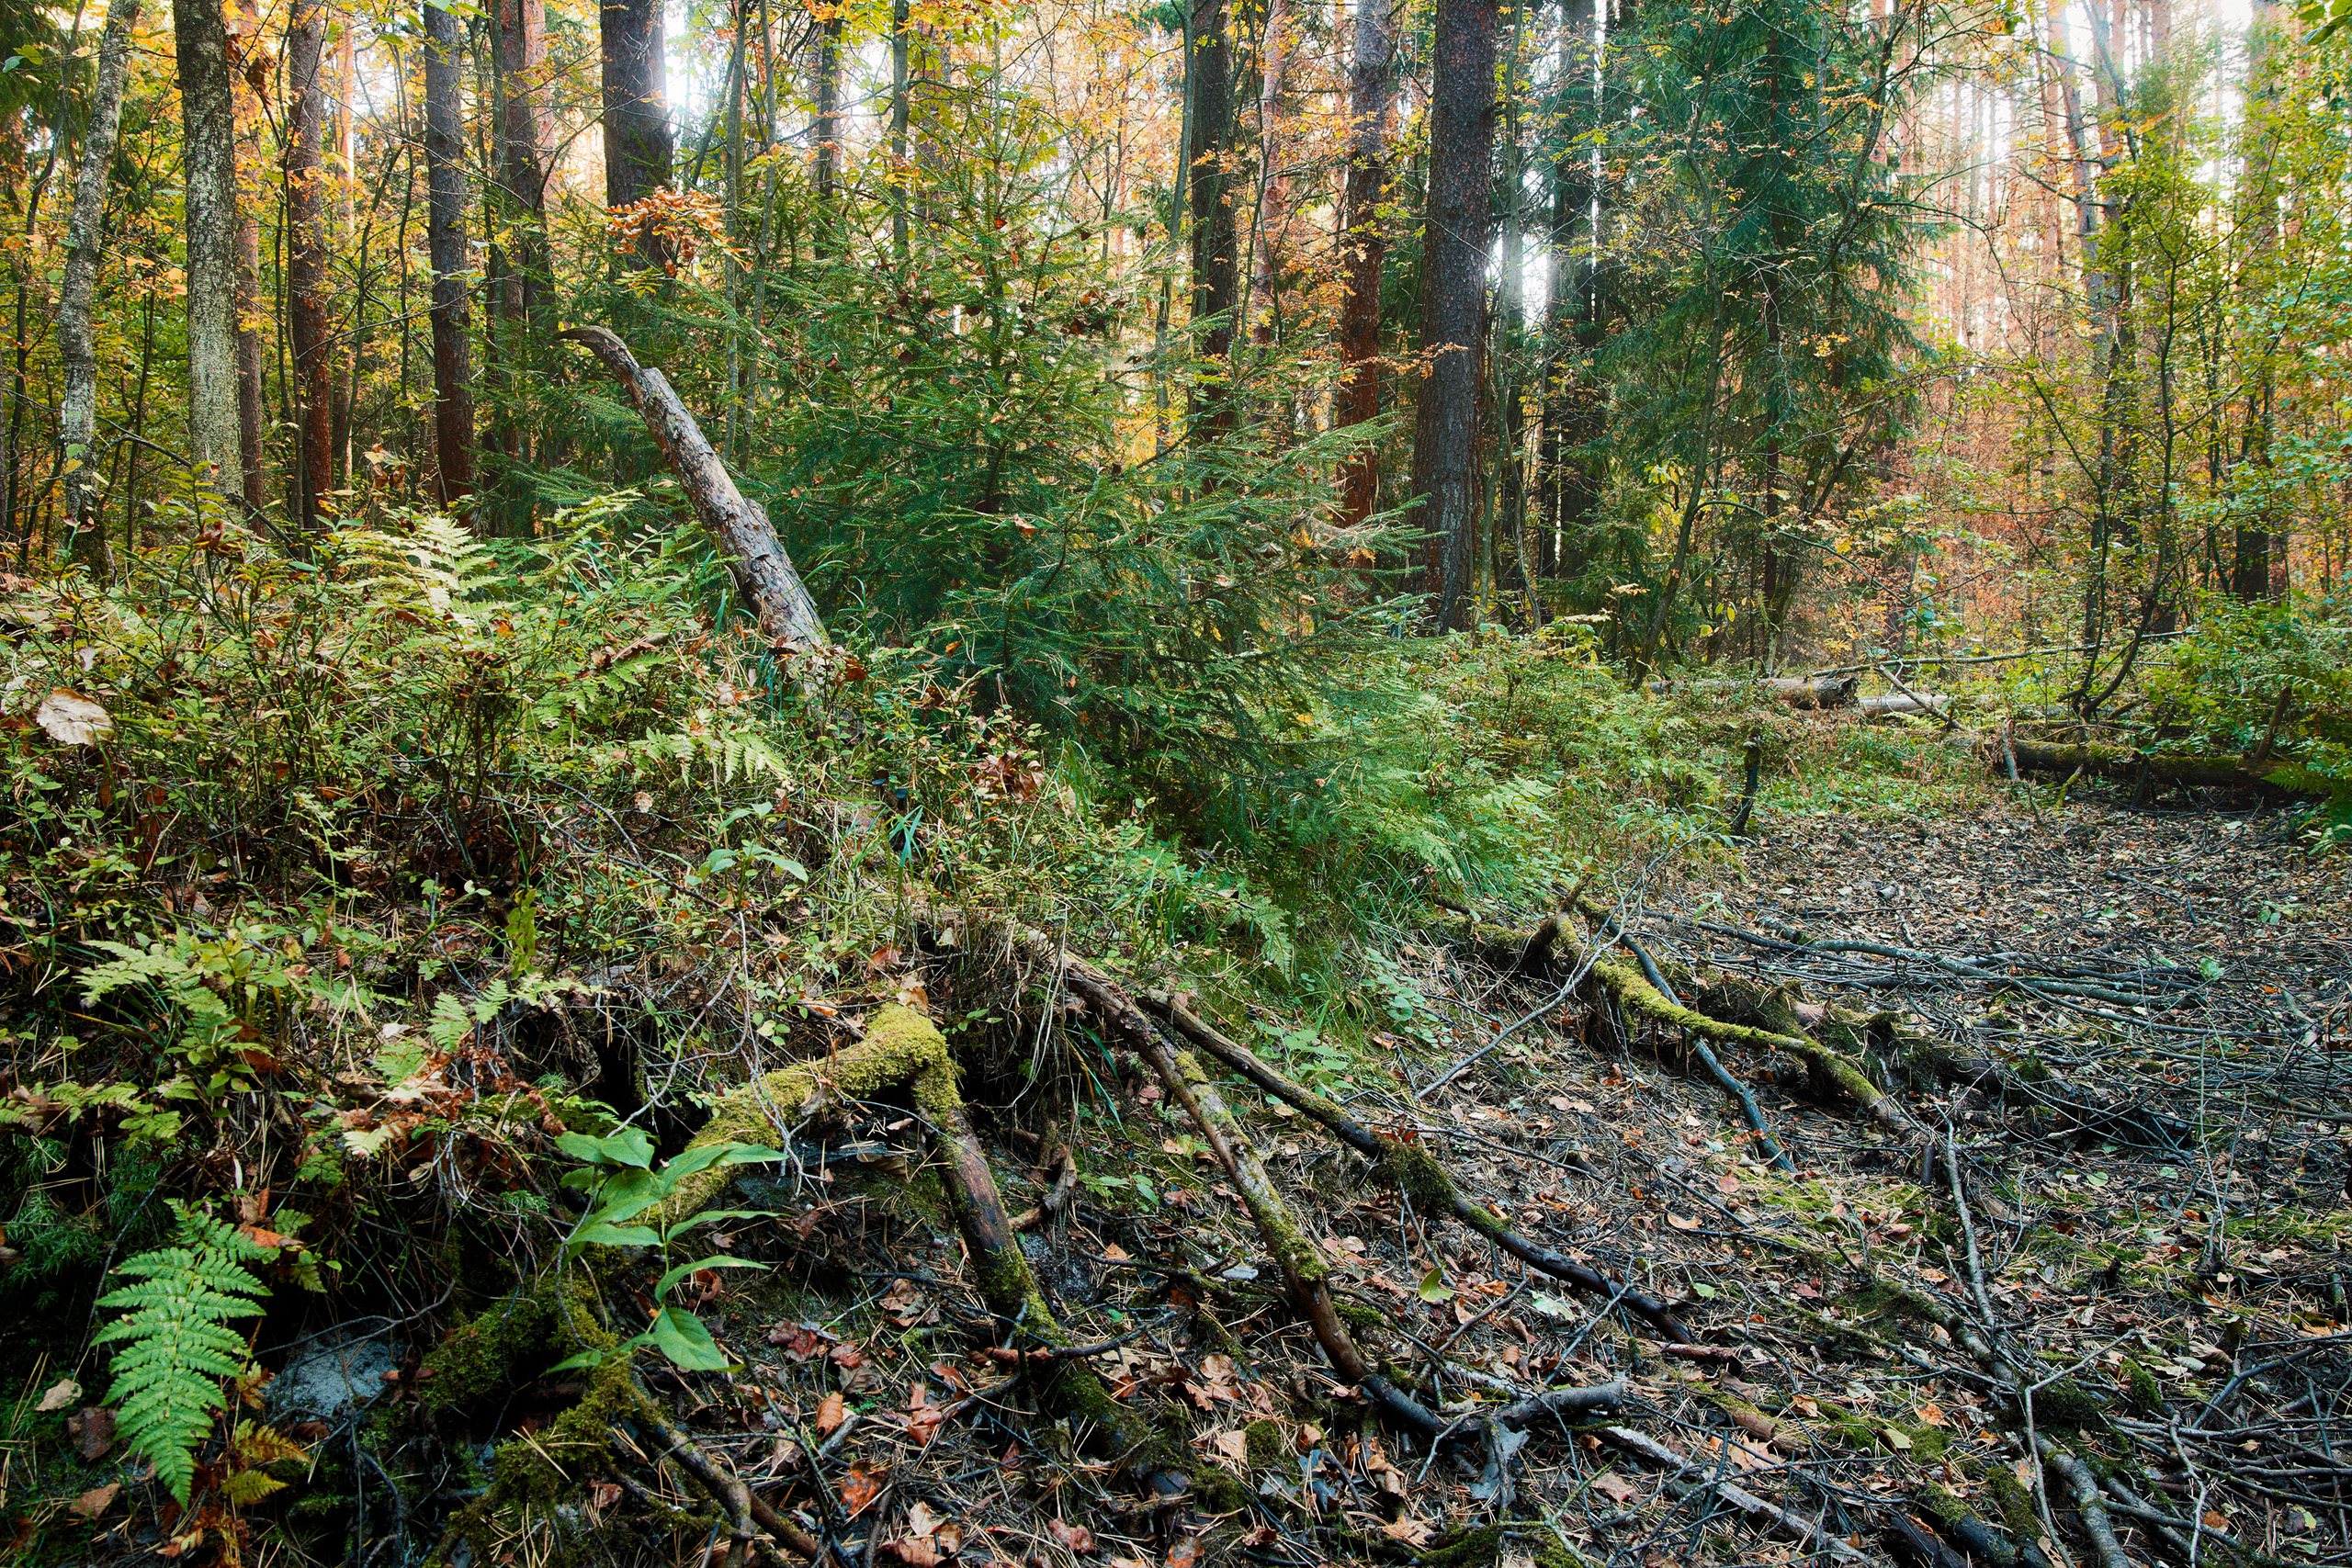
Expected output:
(1481, 784)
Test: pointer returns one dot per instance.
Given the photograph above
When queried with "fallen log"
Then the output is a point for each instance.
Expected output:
(1798, 692)
(1889, 704)
(2125, 765)
(763, 573)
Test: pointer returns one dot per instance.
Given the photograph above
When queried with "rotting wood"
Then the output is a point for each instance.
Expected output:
(763, 573)
(1798, 692)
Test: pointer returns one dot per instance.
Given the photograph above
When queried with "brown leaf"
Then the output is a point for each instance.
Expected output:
(862, 1486)
(59, 1396)
(1077, 1538)
(1185, 1552)
(1615, 1487)
(915, 1552)
(96, 1501)
(800, 1341)
(93, 1432)
(1931, 1415)
(1412, 1532)
(829, 1415)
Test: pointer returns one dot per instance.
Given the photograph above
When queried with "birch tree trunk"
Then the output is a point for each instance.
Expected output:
(444, 222)
(209, 157)
(77, 410)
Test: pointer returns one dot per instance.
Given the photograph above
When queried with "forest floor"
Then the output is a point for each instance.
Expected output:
(2145, 1255)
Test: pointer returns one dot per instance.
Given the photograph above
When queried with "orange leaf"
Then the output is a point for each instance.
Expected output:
(861, 1486)
(829, 1415)
(1077, 1538)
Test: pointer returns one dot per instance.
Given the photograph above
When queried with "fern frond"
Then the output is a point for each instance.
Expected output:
(176, 1343)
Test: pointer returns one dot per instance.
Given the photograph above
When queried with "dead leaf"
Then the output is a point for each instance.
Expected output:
(1931, 1415)
(92, 1430)
(1233, 1444)
(1680, 1223)
(1077, 1538)
(829, 1415)
(96, 1501)
(1615, 1487)
(1185, 1552)
(861, 1486)
(1412, 1532)
(917, 1553)
(73, 719)
(59, 1396)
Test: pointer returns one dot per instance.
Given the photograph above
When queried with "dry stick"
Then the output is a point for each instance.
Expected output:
(1065, 1167)
(742, 1504)
(1750, 1112)
(1411, 1169)
(1804, 1531)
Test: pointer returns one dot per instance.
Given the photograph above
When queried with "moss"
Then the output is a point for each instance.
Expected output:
(1941, 1502)
(2015, 1503)
(487, 1356)
(2067, 1404)
(1362, 1316)
(1217, 1491)
(1415, 1173)
(2147, 1396)
(1929, 1444)
(1266, 1446)
(549, 1465)
(1474, 1548)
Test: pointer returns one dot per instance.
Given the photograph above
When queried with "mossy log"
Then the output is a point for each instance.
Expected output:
(902, 1049)
(2126, 764)
(1548, 952)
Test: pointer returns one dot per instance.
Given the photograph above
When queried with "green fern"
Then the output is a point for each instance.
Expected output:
(177, 1344)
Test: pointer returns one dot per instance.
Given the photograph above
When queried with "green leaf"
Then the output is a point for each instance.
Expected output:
(598, 1233)
(683, 1270)
(627, 1147)
(1434, 1290)
(680, 1335)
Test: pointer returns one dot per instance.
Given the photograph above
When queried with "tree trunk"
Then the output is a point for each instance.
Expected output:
(1572, 403)
(827, 131)
(1370, 87)
(1276, 50)
(1215, 267)
(208, 107)
(638, 145)
(250, 63)
(518, 298)
(1454, 300)
(445, 224)
(346, 344)
(306, 263)
(77, 411)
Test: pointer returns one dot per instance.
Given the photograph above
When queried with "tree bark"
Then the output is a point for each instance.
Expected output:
(208, 110)
(637, 145)
(306, 263)
(77, 410)
(1216, 265)
(251, 62)
(1370, 87)
(444, 222)
(1276, 50)
(763, 573)
(1454, 300)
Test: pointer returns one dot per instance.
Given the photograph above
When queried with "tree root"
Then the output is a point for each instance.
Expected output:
(901, 1048)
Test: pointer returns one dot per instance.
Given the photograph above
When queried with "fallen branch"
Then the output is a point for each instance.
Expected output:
(763, 573)
(1693, 1477)
(1412, 1170)
(2089, 1503)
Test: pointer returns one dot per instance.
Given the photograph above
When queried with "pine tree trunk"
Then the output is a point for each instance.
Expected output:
(346, 346)
(637, 145)
(1208, 86)
(306, 263)
(250, 63)
(1370, 88)
(1275, 51)
(208, 107)
(1454, 300)
(445, 224)
(77, 411)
